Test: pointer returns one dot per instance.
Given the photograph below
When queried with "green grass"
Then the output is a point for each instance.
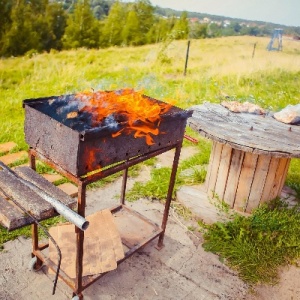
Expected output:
(258, 245)
(157, 186)
(6, 236)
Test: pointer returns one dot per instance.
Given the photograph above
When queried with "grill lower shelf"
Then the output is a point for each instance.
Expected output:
(135, 231)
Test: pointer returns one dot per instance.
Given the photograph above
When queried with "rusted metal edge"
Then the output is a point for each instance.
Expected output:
(88, 280)
(101, 174)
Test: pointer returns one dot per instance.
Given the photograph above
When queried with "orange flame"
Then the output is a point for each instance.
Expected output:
(141, 115)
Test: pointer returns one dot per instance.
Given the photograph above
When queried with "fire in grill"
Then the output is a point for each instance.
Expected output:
(87, 131)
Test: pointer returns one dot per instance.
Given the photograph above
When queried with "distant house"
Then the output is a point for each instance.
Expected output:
(194, 20)
(226, 23)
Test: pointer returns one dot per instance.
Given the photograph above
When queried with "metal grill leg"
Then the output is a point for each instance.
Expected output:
(169, 196)
(80, 239)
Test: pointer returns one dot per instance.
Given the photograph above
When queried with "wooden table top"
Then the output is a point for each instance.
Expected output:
(259, 134)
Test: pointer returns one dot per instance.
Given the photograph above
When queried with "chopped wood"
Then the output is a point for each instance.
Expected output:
(26, 197)
(11, 216)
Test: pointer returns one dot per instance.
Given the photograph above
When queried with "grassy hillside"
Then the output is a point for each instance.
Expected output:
(217, 67)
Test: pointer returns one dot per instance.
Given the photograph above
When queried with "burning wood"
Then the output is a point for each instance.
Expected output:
(123, 112)
(124, 106)
(72, 115)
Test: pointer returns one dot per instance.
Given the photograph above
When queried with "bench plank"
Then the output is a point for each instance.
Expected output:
(11, 217)
(29, 174)
(26, 197)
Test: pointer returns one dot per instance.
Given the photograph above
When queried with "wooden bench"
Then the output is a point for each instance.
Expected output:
(11, 217)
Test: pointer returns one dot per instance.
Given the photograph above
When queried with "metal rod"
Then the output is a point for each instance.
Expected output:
(191, 139)
(45, 231)
(35, 243)
(124, 184)
(62, 209)
(80, 238)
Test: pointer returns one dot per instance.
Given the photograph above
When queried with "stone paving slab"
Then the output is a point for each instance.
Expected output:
(182, 270)
(6, 147)
(52, 177)
(69, 189)
(13, 157)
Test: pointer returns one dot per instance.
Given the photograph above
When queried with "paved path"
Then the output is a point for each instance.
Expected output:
(181, 270)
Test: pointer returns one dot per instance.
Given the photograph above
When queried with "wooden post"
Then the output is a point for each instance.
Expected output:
(253, 53)
(187, 57)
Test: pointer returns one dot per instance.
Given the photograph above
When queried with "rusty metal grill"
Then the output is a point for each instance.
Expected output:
(79, 149)
(78, 146)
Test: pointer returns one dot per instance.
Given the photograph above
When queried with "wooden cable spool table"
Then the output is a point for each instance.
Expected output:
(250, 155)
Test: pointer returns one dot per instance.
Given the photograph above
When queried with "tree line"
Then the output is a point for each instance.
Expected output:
(42, 25)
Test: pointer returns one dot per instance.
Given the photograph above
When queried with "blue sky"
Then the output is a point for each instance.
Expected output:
(285, 12)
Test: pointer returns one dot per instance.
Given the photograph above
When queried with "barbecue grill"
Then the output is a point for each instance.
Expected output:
(64, 129)
(72, 135)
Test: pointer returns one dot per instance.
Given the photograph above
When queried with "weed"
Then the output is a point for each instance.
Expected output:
(6, 236)
(257, 245)
(157, 186)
